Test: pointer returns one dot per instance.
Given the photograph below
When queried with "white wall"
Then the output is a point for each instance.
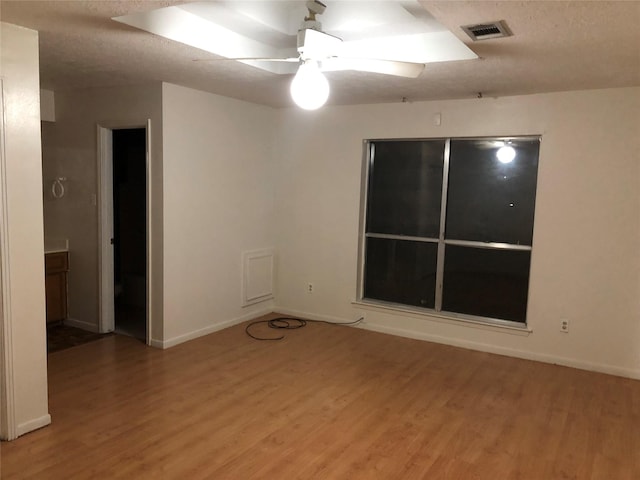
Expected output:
(70, 150)
(24, 362)
(586, 260)
(218, 203)
(212, 196)
(236, 177)
(47, 106)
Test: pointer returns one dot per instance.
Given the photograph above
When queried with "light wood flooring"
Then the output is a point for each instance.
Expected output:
(325, 403)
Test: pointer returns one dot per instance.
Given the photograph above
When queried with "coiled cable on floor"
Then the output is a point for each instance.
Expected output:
(290, 323)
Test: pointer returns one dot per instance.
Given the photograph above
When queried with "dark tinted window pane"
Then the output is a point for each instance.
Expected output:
(486, 283)
(491, 201)
(401, 271)
(405, 188)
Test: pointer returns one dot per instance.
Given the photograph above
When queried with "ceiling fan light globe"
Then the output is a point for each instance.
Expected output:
(506, 154)
(309, 87)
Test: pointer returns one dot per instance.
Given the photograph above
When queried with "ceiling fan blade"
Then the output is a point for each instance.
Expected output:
(249, 59)
(387, 67)
(315, 44)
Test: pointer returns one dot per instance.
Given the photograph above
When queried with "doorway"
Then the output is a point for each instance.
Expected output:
(129, 232)
(123, 196)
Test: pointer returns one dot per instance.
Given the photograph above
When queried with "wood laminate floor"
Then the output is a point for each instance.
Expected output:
(325, 403)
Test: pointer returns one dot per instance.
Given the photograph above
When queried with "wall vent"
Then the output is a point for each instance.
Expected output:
(258, 276)
(485, 31)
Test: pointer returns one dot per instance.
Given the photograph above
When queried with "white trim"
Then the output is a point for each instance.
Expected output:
(444, 317)
(149, 226)
(482, 347)
(8, 429)
(209, 329)
(315, 316)
(510, 352)
(155, 343)
(105, 226)
(34, 424)
(106, 296)
(90, 327)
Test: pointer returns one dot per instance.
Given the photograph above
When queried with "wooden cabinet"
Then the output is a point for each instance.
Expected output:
(56, 268)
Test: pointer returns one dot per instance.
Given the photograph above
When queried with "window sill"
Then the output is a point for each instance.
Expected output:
(451, 319)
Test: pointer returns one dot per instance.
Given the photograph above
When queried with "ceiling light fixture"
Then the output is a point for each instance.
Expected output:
(309, 88)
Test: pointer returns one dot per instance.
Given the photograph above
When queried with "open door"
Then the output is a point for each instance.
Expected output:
(124, 206)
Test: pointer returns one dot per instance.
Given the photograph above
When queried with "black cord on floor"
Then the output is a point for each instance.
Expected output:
(290, 323)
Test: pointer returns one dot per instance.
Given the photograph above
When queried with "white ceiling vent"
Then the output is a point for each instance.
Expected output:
(485, 31)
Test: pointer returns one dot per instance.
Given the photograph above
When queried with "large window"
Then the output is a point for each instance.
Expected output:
(448, 225)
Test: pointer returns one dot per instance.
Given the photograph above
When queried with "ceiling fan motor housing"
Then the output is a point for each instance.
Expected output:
(311, 25)
(315, 8)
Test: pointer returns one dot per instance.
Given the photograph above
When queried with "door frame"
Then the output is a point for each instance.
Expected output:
(106, 294)
(8, 428)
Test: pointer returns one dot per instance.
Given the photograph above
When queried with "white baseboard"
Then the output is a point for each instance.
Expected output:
(72, 322)
(34, 424)
(209, 329)
(509, 352)
(483, 347)
(312, 316)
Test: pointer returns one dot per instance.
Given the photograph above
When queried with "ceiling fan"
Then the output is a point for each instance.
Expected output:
(320, 52)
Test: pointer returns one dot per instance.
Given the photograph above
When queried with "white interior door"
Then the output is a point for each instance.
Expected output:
(105, 234)
(106, 229)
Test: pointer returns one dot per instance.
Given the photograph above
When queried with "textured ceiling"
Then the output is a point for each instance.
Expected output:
(556, 46)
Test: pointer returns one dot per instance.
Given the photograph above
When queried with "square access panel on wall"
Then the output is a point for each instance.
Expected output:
(257, 276)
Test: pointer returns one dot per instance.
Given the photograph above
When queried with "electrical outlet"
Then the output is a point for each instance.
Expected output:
(564, 325)
(309, 287)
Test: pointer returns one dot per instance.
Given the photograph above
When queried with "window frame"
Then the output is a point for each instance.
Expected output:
(440, 241)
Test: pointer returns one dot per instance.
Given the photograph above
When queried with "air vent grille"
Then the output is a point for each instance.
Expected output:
(485, 31)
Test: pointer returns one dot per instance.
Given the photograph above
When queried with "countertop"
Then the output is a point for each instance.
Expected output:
(56, 245)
